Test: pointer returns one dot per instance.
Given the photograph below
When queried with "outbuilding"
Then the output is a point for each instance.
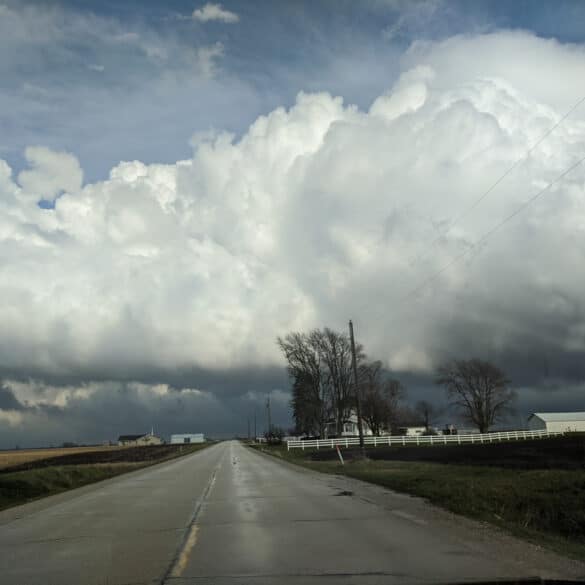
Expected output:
(187, 438)
(564, 422)
(412, 431)
(139, 440)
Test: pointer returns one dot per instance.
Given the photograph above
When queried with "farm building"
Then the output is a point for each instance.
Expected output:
(557, 421)
(349, 427)
(187, 438)
(139, 440)
(412, 431)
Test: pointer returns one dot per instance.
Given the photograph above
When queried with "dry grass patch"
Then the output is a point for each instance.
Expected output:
(20, 456)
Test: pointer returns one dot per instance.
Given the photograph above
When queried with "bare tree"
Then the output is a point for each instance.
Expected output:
(319, 363)
(305, 367)
(380, 396)
(478, 389)
(335, 351)
(427, 412)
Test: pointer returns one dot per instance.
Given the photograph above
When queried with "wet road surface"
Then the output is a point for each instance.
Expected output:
(229, 515)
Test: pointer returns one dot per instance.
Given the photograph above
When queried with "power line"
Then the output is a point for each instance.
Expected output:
(522, 159)
(497, 227)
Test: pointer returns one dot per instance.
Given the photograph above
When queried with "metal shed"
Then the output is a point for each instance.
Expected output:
(557, 421)
(187, 438)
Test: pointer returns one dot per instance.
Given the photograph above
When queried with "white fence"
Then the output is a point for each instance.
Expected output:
(420, 440)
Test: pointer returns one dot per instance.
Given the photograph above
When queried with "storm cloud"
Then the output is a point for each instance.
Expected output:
(155, 296)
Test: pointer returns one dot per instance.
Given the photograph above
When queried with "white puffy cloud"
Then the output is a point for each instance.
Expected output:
(211, 11)
(316, 214)
(50, 173)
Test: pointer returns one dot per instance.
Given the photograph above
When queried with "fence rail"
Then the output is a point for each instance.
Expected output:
(420, 440)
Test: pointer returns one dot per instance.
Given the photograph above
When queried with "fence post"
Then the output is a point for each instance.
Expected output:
(431, 436)
(417, 440)
(403, 440)
(346, 443)
(459, 439)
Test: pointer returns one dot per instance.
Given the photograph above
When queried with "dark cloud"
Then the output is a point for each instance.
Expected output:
(8, 401)
(98, 412)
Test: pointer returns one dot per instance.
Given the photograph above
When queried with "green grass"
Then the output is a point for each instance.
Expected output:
(23, 486)
(545, 506)
(19, 487)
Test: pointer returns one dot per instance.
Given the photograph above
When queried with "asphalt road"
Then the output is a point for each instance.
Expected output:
(228, 515)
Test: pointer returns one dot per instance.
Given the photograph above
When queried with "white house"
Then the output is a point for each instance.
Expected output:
(187, 438)
(139, 440)
(557, 421)
(349, 427)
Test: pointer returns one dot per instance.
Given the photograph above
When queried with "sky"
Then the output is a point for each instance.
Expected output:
(182, 182)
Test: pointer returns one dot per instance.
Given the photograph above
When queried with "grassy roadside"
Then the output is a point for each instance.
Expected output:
(544, 506)
(19, 487)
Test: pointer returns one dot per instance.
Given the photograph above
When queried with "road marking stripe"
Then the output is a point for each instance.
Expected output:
(184, 556)
(179, 562)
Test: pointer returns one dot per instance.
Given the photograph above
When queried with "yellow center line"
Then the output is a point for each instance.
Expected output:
(182, 560)
(186, 552)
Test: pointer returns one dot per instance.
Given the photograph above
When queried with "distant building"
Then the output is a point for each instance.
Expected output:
(139, 440)
(349, 427)
(412, 431)
(187, 438)
(557, 421)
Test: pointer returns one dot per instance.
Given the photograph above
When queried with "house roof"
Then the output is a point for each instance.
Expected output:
(560, 416)
(130, 437)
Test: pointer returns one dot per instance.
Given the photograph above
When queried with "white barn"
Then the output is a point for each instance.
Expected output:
(557, 421)
(187, 438)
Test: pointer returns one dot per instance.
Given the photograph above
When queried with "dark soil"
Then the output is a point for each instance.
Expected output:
(129, 455)
(567, 452)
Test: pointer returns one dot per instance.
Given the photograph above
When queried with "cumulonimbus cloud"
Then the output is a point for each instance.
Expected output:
(316, 214)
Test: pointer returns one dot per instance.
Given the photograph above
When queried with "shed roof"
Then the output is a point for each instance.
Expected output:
(130, 437)
(560, 416)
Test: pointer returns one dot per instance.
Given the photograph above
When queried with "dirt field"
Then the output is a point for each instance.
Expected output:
(21, 456)
(567, 452)
(98, 455)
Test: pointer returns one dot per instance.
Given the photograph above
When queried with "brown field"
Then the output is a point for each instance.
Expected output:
(20, 456)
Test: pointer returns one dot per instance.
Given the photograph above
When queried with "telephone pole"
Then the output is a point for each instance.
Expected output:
(255, 431)
(357, 392)
(268, 412)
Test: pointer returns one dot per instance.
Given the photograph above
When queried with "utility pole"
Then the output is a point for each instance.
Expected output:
(268, 413)
(357, 393)
(255, 431)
